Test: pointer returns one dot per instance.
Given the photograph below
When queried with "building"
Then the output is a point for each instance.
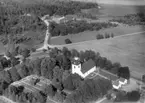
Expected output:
(83, 69)
(116, 84)
(122, 81)
(119, 83)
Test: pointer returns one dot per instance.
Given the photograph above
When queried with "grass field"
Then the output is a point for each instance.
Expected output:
(91, 35)
(2, 48)
(128, 50)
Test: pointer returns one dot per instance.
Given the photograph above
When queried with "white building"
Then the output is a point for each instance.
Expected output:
(119, 83)
(116, 84)
(122, 81)
(83, 69)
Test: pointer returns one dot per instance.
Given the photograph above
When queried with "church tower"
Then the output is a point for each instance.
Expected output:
(76, 65)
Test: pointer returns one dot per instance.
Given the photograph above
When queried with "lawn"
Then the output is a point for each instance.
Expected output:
(128, 50)
(91, 35)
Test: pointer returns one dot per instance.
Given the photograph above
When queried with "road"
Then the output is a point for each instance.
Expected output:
(101, 100)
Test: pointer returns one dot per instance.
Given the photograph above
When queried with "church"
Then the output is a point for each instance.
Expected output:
(83, 69)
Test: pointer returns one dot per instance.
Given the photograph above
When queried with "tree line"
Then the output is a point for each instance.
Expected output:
(131, 19)
(73, 27)
(12, 14)
(105, 36)
(14, 19)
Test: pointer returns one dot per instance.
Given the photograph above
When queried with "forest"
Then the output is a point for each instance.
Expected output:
(57, 68)
(131, 19)
(13, 19)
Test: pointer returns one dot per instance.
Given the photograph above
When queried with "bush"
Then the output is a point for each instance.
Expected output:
(33, 49)
(68, 41)
(99, 36)
(112, 35)
(107, 35)
(44, 50)
(133, 96)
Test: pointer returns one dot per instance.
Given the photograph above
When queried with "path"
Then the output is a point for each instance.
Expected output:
(7, 100)
(51, 100)
(101, 100)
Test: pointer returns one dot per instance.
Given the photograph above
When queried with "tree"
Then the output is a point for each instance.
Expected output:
(108, 65)
(66, 73)
(115, 67)
(1, 66)
(49, 90)
(66, 64)
(25, 53)
(37, 66)
(14, 74)
(68, 83)
(68, 41)
(23, 71)
(7, 77)
(3, 86)
(133, 96)
(82, 56)
(124, 72)
(90, 90)
(112, 35)
(107, 35)
(14, 61)
(47, 66)
(143, 78)
(57, 73)
(60, 96)
(74, 53)
(57, 84)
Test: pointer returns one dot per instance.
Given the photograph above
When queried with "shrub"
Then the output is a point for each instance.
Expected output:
(107, 35)
(33, 49)
(99, 36)
(112, 35)
(68, 41)
(44, 50)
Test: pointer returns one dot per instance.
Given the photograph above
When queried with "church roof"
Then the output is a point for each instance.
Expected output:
(116, 83)
(87, 65)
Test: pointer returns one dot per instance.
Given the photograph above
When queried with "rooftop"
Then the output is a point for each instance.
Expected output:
(122, 79)
(116, 83)
(87, 65)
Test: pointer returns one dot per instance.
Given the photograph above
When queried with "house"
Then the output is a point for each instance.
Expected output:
(83, 69)
(119, 83)
(116, 84)
(122, 81)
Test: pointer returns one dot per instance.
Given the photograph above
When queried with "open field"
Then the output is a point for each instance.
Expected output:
(91, 35)
(129, 50)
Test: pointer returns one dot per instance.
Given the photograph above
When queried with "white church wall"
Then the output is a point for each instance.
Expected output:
(90, 71)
